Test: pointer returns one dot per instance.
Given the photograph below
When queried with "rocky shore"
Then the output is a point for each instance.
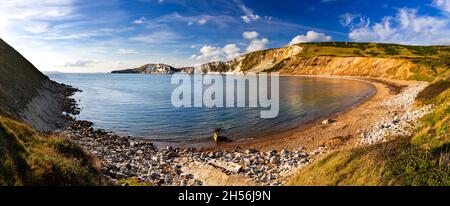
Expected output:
(124, 158)
(400, 120)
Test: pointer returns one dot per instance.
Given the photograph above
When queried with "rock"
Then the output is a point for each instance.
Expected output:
(250, 151)
(217, 137)
(172, 154)
(228, 166)
(284, 153)
(328, 121)
(272, 152)
(85, 124)
(274, 160)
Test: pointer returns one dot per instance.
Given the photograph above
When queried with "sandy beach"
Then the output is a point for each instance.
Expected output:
(344, 129)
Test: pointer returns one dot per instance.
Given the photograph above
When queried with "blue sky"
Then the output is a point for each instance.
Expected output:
(104, 35)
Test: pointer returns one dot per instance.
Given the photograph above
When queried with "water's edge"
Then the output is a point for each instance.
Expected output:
(371, 91)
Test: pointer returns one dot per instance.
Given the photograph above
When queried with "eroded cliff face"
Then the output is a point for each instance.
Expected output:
(252, 62)
(390, 68)
(27, 94)
(290, 60)
(392, 61)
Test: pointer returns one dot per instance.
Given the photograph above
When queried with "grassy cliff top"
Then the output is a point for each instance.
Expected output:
(432, 56)
(351, 49)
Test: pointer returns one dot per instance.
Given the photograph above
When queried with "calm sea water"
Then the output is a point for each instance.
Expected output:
(140, 105)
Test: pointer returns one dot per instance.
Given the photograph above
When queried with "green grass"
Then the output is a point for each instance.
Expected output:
(398, 162)
(27, 158)
(350, 49)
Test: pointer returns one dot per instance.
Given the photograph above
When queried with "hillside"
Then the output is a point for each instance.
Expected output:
(391, 61)
(19, 80)
(27, 97)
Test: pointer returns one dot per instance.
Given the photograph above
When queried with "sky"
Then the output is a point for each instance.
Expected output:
(104, 35)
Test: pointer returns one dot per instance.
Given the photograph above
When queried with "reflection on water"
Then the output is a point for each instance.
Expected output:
(140, 105)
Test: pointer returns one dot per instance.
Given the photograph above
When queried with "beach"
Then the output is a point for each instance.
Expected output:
(345, 129)
(267, 160)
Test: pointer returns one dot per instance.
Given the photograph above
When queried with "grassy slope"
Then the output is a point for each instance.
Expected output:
(19, 79)
(420, 159)
(27, 158)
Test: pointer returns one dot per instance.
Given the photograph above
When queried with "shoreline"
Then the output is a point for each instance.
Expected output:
(384, 89)
(247, 142)
(263, 162)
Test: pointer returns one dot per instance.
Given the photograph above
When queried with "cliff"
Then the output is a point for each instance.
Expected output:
(27, 94)
(341, 58)
(28, 157)
(390, 61)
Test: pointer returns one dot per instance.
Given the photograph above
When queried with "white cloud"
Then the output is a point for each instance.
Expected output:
(250, 18)
(139, 21)
(80, 63)
(37, 27)
(443, 5)
(406, 27)
(211, 53)
(249, 15)
(250, 35)
(311, 36)
(126, 51)
(348, 19)
(159, 37)
(257, 44)
(202, 21)
(232, 51)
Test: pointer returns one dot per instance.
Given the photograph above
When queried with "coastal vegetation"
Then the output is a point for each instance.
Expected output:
(29, 158)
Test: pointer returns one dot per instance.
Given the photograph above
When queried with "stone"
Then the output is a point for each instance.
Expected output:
(274, 160)
(172, 154)
(228, 166)
(327, 121)
(250, 151)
